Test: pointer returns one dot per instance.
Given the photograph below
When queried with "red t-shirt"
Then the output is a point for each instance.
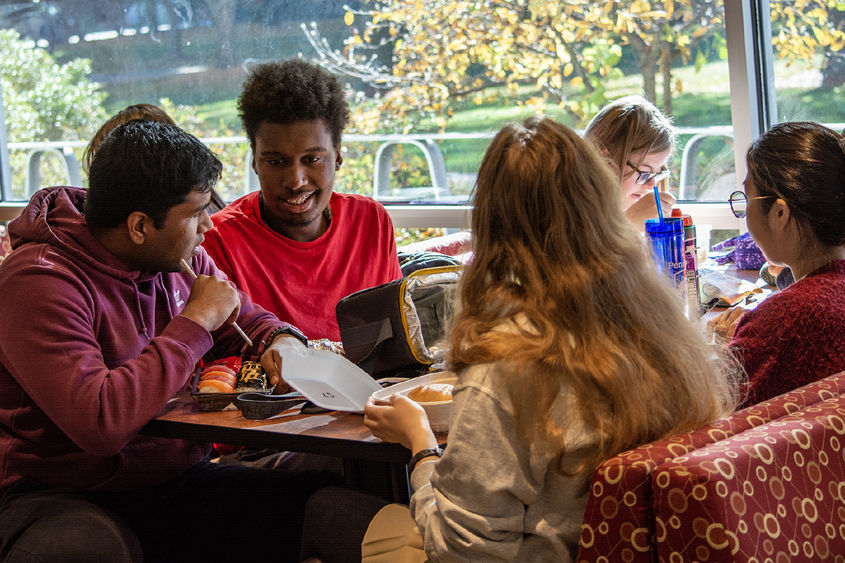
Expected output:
(301, 282)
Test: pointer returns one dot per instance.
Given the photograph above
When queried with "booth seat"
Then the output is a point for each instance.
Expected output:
(455, 244)
(619, 520)
(772, 493)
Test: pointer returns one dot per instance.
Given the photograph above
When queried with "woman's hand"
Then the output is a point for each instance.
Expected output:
(723, 326)
(400, 420)
(644, 208)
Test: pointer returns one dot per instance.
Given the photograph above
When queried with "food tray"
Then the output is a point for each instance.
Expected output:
(438, 412)
(219, 401)
(327, 379)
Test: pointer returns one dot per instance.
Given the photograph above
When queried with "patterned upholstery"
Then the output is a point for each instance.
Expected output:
(773, 493)
(619, 520)
(454, 244)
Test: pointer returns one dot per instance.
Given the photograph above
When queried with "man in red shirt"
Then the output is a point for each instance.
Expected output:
(296, 247)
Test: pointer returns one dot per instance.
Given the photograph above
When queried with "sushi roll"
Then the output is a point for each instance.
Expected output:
(252, 376)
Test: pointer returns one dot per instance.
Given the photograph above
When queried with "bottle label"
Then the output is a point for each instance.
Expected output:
(691, 276)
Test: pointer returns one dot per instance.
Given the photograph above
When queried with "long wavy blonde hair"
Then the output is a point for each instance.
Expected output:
(556, 258)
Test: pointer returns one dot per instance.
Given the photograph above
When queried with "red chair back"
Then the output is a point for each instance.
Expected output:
(619, 521)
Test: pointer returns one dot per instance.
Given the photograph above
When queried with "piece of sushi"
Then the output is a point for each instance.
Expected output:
(252, 376)
(220, 376)
(214, 386)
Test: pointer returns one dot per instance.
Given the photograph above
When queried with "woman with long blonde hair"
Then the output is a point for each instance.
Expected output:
(569, 348)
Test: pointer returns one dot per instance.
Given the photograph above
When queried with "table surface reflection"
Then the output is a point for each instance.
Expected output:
(337, 434)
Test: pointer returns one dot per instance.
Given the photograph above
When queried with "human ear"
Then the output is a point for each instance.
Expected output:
(138, 226)
(779, 214)
(338, 160)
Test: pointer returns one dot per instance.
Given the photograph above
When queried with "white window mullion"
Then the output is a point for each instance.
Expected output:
(748, 32)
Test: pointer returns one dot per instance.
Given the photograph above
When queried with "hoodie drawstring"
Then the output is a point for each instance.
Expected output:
(141, 325)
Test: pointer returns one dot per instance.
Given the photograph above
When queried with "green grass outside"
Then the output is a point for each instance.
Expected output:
(703, 101)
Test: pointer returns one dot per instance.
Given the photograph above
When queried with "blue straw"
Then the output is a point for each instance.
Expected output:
(657, 202)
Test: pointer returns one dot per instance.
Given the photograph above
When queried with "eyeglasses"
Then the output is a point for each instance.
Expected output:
(739, 202)
(644, 177)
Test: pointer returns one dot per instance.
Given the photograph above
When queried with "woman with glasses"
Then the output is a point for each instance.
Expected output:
(794, 206)
(637, 140)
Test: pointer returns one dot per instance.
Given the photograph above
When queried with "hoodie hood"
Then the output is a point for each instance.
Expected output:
(55, 217)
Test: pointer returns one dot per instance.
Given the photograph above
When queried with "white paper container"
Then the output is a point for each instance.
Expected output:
(327, 379)
(438, 412)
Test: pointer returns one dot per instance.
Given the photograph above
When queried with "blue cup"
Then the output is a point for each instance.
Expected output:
(667, 242)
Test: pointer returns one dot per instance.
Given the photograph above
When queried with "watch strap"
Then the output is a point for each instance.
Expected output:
(423, 454)
(285, 329)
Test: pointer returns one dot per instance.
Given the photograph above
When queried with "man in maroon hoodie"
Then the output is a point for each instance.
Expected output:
(101, 327)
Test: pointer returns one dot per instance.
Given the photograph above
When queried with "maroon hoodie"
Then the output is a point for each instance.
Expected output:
(91, 351)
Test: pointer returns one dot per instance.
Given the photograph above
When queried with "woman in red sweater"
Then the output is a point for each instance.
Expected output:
(794, 204)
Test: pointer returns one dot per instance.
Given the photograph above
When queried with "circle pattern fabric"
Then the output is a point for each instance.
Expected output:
(619, 515)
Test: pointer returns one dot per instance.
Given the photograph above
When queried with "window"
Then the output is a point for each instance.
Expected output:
(429, 82)
(5, 176)
(810, 60)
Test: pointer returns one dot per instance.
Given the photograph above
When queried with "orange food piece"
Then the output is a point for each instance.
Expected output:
(218, 367)
(214, 386)
(220, 375)
(431, 393)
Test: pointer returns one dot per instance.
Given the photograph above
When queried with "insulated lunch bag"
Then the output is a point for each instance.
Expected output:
(395, 329)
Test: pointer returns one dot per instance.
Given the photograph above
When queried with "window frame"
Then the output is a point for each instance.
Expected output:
(5, 172)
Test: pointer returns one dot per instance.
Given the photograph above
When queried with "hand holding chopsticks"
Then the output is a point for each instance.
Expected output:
(190, 270)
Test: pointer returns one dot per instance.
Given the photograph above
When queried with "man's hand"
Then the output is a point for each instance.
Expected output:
(213, 301)
(271, 359)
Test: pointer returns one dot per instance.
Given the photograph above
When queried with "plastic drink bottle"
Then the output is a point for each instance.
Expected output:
(691, 286)
(667, 241)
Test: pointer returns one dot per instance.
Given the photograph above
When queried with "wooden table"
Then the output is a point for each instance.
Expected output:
(369, 463)
(337, 434)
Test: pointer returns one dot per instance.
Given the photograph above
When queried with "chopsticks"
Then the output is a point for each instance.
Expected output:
(234, 324)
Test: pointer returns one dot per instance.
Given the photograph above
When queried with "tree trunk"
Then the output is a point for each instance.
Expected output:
(666, 68)
(833, 68)
(833, 71)
(649, 70)
(646, 56)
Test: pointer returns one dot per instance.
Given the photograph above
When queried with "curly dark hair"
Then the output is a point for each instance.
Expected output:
(289, 91)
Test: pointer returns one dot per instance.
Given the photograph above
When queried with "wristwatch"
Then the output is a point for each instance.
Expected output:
(293, 331)
(423, 454)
